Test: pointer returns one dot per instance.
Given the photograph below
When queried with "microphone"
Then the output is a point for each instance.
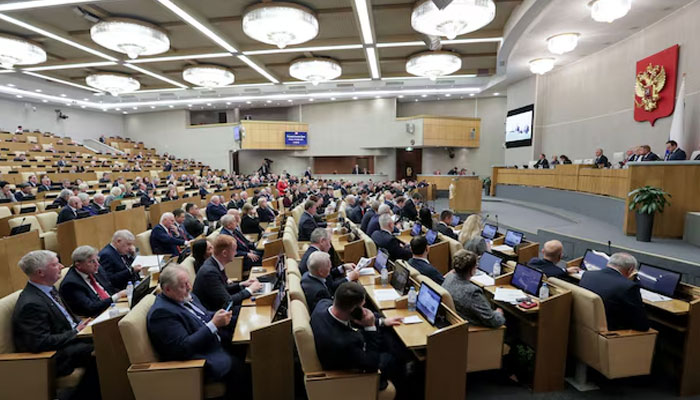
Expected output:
(609, 249)
(484, 219)
(497, 225)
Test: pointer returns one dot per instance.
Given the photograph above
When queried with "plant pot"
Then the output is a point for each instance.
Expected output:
(645, 225)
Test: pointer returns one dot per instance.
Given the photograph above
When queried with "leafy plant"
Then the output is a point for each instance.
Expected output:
(648, 200)
(486, 181)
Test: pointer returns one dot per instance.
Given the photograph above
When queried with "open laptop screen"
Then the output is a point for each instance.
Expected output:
(399, 279)
(489, 231)
(455, 220)
(594, 260)
(658, 280)
(513, 238)
(431, 236)
(527, 279)
(428, 303)
(380, 260)
(416, 230)
(488, 261)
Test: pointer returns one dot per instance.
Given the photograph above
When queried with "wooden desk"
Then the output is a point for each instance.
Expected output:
(414, 336)
(250, 319)
(465, 196)
(382, 305)
(368, 280)
(87, 331)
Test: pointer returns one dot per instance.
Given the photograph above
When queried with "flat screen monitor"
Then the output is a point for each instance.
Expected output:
(428, 303)
(455, 220)
(431, 236)
(399, 279)
(416, 230)
(488, 261)
(141, 290)
(519, 124)
(658, 280)
(513, 238)
(380, 260)
(278, 300)
(237, 133)
(594, 260)
(489, 231)
(527, 279)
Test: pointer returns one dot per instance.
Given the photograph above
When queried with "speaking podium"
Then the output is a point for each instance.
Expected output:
(465, 194)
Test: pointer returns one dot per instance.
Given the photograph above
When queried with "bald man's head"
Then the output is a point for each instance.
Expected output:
(552, 251)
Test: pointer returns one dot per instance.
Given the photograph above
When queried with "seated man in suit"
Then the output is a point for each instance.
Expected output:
(98, 203)
(673, 152)
(181, 329)
(244, 247)
(116, 260)
(601, 161)
(193, 225)
(551, 256)
(542, 162)
(106, 178)
(443, 225)
(235, 201)
(70, 211)
(164, 239)
(624, 308)
(373, 225)
(419, 261)
(265, 213)
(353, 212)
(45, 184)
(179, 215)
(321, 241)
(369, 213)
(212, 286)
(384, 239)
(84, 290)
(307, 222)
(645, 154)
(409, 209)
(317, 282)
(215, 210)
(24, 193)
(148, 197)
(41, 322)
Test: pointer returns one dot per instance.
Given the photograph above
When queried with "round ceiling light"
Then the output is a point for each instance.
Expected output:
(280, 24)
(458, 18)
(433, 64)
(129, 36)
(609, 10)
(541, 66)
(113, 83)
(563, 43)
(17, 51)
(315, 69)
(208, 76)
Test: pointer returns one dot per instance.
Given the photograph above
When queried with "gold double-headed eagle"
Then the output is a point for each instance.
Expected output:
(649, 84)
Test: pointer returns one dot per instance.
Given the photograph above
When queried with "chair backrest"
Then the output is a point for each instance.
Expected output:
(188, 264)
(7, 308)
(304, 338)
(445, 296)
(695, 154)
(370, 246)
(5, 211)
(618, 157)
(135, 332)
(291, 248)
(297, 212)
(30, 219)
(47, 220)
(295, 290)
(143, 242)
(293, 267)
(588, 310)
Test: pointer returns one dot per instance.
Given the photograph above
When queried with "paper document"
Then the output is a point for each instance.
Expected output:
(105, 316)
(367, 272)
(483, 279)
(502, 248)
(653, 297)
(413, 319)
(508, 295)
(147, 261)
(385, 294)
(364, 262)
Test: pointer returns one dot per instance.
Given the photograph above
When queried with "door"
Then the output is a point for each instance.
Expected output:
(409, 164)
(234, 162)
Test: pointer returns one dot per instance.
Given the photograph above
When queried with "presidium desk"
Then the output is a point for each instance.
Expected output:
(679, 178)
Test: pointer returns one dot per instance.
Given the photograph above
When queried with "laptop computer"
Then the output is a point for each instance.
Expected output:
(140, 291)
(527, 279)
(428, 304)
(658, 280)
(20, 229)
(416, 230)
(455, 220)
(431, 236)
(380, 260)
(489, 232)
(487, 263)
(271, 281)
(399, 279)
(513, 238)
(279, 306)
(594, 260)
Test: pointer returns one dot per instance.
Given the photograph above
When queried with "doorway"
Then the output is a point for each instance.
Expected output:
(234, 162)
(409, 164)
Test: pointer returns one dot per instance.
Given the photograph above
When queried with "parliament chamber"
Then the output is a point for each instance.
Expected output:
(349, 199)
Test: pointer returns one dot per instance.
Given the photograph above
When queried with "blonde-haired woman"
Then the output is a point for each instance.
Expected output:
(470, 235)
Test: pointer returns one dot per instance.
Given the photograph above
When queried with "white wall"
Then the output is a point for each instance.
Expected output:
(250, 160)
(80, 125)
(520, 94)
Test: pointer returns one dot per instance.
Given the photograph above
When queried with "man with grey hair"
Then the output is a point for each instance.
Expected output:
(70, 211)
(621, 297)
(85, 203)
(374, 222)
(42, 322)
(116, 260)
(85, 291)
(98, 203)
(321, 242)
(316, 282)
(63, 196)
(373, 208)
(265, 213)
(215, 210)
(164, 239)
(384, 239)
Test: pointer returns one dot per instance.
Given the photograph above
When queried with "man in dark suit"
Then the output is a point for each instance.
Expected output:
(116, 260)
(384, 239)
(409, 209)
(244, 247)
(419, 261)
(542, 162)
(373, 225)
(265, 213)
(84, 290)
(317, 282)
(24, 193)
(645, 154)
(41, 322)
(98, 203)
(673, 152)
(444, 225)
(106, 178)
(215, 210)
(45, 184)
(148, 198)
(193, 225)
(601, 161)
(307, 222)
(212, 286)
(70, 211)
(181, 329)
(551, 256)
(356, 170)
(369, 213)
(351, 211)
(321, 241)
(164, 239)
(624, 308)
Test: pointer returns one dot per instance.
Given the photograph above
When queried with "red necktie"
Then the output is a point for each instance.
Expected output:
(100, 292)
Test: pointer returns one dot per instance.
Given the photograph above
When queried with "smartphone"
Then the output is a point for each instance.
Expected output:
(230, 304)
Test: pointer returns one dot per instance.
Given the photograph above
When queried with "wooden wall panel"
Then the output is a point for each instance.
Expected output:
(451, 132)
(269, 135)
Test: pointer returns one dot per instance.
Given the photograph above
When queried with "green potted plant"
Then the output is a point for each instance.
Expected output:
(647, 201)
(486, 184)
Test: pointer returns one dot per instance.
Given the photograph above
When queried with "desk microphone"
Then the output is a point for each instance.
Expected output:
(483, 220)
(496, 215)
(22, 221)
(609, 249)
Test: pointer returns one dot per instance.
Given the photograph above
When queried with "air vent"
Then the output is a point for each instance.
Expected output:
(344, 85)
(208, 92)
(296, 87)
(394, 83)
(445, 82)
(167, 96)
(251, 90)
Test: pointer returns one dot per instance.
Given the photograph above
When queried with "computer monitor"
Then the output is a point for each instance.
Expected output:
(279, 299)
(527, 279)
(399, 279)
(431, 236)
(489, 231)
(416, 230)
(428, 303)
(488, 261)
(658, 280)
(594, 260)
(513, 238)
(455, 220)
(141, 290)
(380, 260)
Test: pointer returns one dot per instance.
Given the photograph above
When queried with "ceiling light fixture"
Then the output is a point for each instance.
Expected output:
(258, 68)
(130, 36)
(70, 66)
(17, 51)
(25, 5)
(609, 10)
(187, 17)
(458, 18)
(52, 79)
(315, 69)
(157, 76)
(280, 23)
(541, 66)
(208, 76)
(365, 21)
(114, 83)
(562, 43)
(433, 64)
(371, 53)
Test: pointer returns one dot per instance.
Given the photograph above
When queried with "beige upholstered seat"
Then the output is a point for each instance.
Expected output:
(188, 264)
(150, 378)
(49, 240)
(293, 267)
(615, 354)
(5, 211)
(291, 247)
(295, 290)
(143, 242)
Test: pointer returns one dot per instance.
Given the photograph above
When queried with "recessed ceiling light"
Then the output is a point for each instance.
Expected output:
(400, 96)
(124, 112)
(289, 101)
(117, 109)
(228, 103)
(44, 101)
(86, 99)
(153, 107)
(269, 101)
(249, 102)
(377, 97)
(447, 95)
(134, 108)
(189, 105)
(496, 94)
(19, 96)
(416, 100)
(208, 104)
(171, 106)
(38, 90)
(424, 95)
(63, 95)
(354, 97)
(333, 98)
(471, 94)
(10, 85)
(311, 99)
(68, 104)
(83, 106)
